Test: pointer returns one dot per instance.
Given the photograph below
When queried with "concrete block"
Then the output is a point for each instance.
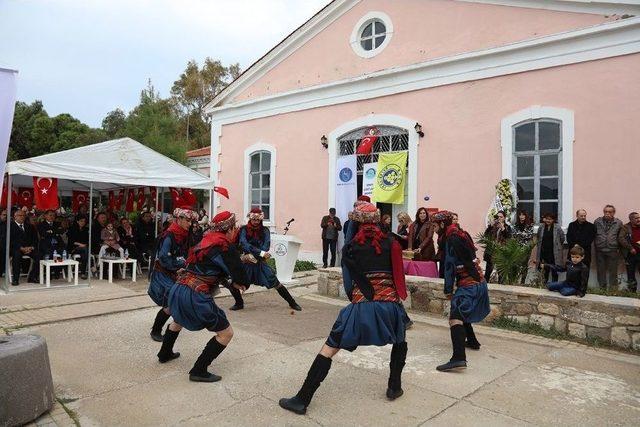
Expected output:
(560, 325)
(628, 320)
(620, 337)
(26, 387)
(602, 333)
(547, 322)
(547, 308)
(323, 284)
(588, 318)
(577, 330)
(635, 341)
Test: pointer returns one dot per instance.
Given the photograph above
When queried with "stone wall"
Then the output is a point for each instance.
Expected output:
(613, 319)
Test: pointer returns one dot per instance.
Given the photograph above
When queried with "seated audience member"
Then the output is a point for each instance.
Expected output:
(24, 242)
(49, 235)
(145, 235)
(79, 242)
(110, 240)
(127, 237)
(96, 231)
(577, 274)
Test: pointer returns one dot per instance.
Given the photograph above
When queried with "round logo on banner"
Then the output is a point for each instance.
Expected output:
(346, 174)
(390, 177)
(280, 249)
(370, 173)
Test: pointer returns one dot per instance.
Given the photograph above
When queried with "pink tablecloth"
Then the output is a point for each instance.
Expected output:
(420, 268)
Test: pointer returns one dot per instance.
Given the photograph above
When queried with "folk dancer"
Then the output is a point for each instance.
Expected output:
(255, 241)
(172, 249)
(374, 281)
(191, 298)
(470, 301)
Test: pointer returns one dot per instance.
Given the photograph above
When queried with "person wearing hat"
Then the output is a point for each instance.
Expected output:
(170, 256)
(191, 299)
(255, 241)
(375, 316)
(351, 231)
(470, 301)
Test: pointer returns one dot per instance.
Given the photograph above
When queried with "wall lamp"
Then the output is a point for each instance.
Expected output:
(418, 128)
(324, 142)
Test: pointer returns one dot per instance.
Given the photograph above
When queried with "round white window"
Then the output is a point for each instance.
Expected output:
(371, 34)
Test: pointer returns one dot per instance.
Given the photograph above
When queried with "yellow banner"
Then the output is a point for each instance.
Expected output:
(390, 176)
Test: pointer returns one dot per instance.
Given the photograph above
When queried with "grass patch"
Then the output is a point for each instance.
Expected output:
(72, 414)
(507, 323)
(300, 265)
(614, 292)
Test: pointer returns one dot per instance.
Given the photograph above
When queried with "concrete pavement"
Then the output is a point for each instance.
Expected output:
(107, 366)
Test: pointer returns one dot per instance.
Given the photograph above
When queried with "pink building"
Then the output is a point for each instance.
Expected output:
(545, 93)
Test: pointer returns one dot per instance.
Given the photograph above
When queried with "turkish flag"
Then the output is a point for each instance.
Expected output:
(79, 198)
(154, 195)
(119, 200)
(112, 201)
(222, 191)
(25, 197)
(131, 196)
(5, 194)
(366, 144)
(45, 193)
(175, 197)
(188, 198)
(141, 197)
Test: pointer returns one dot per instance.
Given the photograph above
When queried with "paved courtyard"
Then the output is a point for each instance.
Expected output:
(104, 365)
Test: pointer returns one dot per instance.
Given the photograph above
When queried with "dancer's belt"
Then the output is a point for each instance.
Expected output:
(159, 268)
(466, 280)
(202, 284)
(383, 289)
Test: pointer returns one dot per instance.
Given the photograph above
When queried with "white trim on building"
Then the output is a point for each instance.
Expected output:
(260, 146)
(600, 7)
(377, 120)
(597, 42)
(566, 117)
(355, 38)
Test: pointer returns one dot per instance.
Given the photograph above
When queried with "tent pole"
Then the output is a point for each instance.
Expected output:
(211, 215)
(90, 236)
(156, 219)
(7, 245)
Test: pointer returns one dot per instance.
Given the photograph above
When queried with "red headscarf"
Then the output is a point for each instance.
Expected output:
(255, 231)
(180, 234)
(210, 239)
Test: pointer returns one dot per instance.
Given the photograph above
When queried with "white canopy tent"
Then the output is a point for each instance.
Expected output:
(108, 165)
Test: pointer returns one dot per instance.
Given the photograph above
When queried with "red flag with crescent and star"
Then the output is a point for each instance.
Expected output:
(188, 197)
(119, 199)
(45, 193)
(131, 197)
(79, 198)
(5, 195)
(25, 197)
(367, 141)
(175, 197)
(112, 201)
(154, 195)
(141, 198)
(222, 191)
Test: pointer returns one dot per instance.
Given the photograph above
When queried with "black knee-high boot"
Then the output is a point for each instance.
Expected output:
(397, 362)
(237, 296)
(284, 293)
(317, 373)
(166, 351)
(156, 329)
(459, 357)
(199, 371)
(472, 341)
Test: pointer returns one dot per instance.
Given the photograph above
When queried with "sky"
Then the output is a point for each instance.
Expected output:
(89, 57)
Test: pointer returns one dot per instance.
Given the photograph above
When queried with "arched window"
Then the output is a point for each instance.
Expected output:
(537, 155)
(537, 166)
(260, 182)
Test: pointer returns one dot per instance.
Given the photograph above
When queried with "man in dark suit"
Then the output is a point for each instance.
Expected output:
(145, 235)
(24, 241)
(3, 240)
(49, 235)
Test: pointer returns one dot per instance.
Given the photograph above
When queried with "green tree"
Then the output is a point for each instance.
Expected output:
(113, 124)
(154, 122)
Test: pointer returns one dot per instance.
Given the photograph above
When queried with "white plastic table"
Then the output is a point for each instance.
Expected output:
(48, 263)
(124, 263)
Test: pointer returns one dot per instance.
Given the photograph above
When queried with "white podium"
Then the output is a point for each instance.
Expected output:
(285, 251)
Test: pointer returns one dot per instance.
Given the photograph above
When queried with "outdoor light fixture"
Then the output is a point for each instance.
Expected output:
(418, 128)
(324, 142)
